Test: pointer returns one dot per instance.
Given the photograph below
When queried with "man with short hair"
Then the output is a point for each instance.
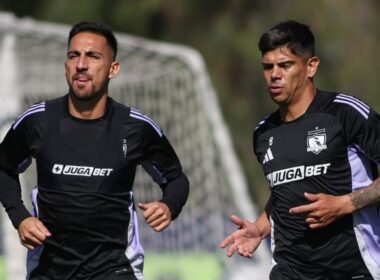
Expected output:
(87, 148)
(318, 150)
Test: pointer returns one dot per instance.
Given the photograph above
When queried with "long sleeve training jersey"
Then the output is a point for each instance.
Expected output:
(85, 175)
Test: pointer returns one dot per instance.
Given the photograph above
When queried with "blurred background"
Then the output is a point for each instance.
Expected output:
(225, 33)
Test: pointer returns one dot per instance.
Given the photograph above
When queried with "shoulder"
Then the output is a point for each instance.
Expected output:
(267, 123)
(137, 119)
(342, 105)
(33, 115)
(350, 114)
(352, 105)
(39, 112)
(145, 121)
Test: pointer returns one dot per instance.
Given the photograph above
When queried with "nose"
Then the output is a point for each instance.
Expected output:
(82, 63)
(275, 73)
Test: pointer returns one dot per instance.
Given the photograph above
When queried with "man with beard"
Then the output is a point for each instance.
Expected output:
(87, 148)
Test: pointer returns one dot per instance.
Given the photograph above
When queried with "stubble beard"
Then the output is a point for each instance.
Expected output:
(87, 96)
(83, 96)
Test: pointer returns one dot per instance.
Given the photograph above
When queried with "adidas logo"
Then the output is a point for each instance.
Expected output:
(268, 156)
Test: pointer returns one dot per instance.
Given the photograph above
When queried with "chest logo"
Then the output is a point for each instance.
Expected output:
(75, 170)
(125, 148)
(316, 140)
(269, 155)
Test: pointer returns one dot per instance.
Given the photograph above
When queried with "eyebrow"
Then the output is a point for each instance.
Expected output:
(90, 52)
(281, 63)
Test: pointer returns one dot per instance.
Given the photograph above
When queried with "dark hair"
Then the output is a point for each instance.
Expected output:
(290, 34)
(97, 28)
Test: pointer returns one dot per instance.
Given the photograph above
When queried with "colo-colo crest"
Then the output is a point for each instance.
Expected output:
(316, 141)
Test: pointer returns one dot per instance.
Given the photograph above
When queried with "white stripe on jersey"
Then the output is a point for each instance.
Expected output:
(40, 107)
(348, 97)
(261, 122)
(355, 103)
(153, 171)
(137, 115)
(31, 108)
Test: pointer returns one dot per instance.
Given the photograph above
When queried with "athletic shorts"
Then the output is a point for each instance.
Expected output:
(288, 273)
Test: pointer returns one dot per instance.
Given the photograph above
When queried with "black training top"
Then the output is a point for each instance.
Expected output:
(86, 170)
(330, 149)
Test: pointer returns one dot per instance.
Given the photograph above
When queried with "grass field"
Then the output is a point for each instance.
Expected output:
(189, 266)
(165, 266)
(3, 275)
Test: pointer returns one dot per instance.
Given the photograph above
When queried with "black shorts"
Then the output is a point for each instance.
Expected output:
(284, 272)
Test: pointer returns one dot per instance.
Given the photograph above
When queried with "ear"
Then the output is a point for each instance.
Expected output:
(114, 70)
(312, 66)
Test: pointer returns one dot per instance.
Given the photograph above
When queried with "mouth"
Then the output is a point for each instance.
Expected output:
(81, 79)
(275, 90)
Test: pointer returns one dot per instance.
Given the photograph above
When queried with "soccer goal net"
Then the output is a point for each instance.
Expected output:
(170, 84)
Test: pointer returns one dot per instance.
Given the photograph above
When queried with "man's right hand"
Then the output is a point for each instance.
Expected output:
(32, 233)
(245, 239)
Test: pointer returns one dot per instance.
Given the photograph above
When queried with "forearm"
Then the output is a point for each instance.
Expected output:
(10, 197)
(366, 197)
(263, 221)
(175, 194)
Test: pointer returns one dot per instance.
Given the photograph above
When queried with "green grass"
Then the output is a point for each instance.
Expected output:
(3, 274)
(189, 266)
(165, 266)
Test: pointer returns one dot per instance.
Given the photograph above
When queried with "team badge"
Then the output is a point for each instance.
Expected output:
(125, 148)
(316, 141)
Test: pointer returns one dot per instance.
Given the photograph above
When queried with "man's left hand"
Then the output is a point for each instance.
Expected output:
(323, 209)
(156, 214)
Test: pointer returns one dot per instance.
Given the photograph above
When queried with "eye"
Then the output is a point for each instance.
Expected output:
(71, 55)
(286, 64)
(267, 66)
(93, 55)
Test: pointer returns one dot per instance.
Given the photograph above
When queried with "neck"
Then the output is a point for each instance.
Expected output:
(298, 105)
(87, 109)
